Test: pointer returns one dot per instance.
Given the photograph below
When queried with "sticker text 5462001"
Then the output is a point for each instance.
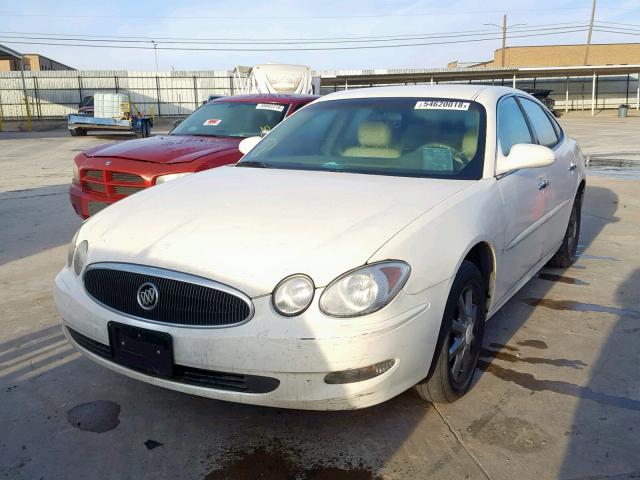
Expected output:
(441, 105)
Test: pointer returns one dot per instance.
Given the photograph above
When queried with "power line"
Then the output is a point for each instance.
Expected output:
(280, 42)
(279, 49)
(555, 25)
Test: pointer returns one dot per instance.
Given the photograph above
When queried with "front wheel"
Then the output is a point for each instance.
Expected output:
(568, 252)
(463, 319)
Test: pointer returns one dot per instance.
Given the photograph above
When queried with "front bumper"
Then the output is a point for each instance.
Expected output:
(298, 351)
(86, 204)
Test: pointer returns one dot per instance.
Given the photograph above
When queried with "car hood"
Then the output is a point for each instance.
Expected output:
(249, 227)
(166, 149)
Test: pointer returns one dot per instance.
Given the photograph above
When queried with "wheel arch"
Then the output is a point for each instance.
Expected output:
(482, 255)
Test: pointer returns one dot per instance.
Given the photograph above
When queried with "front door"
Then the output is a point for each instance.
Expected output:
(524, 199)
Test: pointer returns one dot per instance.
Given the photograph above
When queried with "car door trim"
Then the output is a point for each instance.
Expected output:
(534, 226)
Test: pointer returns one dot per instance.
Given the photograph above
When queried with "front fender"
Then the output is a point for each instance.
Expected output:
(437, 242)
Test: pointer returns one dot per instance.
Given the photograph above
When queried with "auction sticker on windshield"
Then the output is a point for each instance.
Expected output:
(441, 105)
(212, 122)
(270, 106)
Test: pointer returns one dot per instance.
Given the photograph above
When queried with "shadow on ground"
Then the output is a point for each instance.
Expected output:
(35, 220)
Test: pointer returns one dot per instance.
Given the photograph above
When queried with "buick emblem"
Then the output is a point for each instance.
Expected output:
(107, 163)
(148, 296)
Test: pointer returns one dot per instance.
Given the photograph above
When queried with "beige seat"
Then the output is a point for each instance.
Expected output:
(470, 143)
(375, 142)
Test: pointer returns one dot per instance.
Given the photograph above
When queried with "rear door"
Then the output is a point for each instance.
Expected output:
(562, 173)
(524, 201)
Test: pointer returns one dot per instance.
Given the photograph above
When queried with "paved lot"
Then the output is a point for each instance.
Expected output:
(557, 396)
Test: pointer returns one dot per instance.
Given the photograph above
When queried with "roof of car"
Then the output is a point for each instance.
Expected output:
(464, 92)
(268, 98)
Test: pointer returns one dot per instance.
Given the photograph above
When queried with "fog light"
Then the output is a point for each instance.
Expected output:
(359, 374)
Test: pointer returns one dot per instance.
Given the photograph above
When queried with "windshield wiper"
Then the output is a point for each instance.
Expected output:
(253, 164)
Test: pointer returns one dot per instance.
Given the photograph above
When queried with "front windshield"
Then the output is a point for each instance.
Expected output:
(232, 119)
(428, 137)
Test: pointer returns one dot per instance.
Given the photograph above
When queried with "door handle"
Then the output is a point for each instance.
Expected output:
(572, 166)
(542, 184)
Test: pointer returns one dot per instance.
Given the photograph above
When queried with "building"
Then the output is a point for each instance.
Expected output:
(9, 59)
(12, 61)
(561, 56)
(39, 62)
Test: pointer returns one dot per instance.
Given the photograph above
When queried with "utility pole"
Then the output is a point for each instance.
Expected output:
(155, 52)
(504, 28)
(593, 14)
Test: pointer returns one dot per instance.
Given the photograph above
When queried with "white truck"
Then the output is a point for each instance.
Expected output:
(276, 78)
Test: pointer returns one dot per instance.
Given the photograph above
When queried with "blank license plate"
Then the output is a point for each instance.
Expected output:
(141, 349)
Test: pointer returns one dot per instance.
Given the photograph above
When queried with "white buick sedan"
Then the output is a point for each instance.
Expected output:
(355, 252)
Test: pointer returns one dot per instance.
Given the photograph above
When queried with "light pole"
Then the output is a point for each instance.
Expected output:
(155, 52)
(593, 14)
(504, 34)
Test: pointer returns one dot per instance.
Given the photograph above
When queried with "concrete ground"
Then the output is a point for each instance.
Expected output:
(557, 394)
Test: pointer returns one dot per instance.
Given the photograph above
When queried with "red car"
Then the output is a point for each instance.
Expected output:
(207, 138)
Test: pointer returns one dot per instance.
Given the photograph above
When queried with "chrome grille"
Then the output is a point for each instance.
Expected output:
(111, 184)
(126, 177)
(182, 299)
(95, 207)
(124, 190)
(95, 187)
(95, 174)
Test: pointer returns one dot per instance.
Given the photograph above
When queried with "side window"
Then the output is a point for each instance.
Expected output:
(512, 127)
(540, 122)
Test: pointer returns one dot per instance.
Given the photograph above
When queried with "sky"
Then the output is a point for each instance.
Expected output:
(301, 19)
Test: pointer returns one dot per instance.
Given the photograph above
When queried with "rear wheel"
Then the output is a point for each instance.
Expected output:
(464, 318)
(76, 132)
(567, 254)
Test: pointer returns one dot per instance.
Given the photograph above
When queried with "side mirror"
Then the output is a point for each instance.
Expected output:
(247, 144)
(525, 155)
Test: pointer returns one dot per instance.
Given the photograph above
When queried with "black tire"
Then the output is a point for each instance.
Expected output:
(77, 132)
(567, 254)
(443, 386)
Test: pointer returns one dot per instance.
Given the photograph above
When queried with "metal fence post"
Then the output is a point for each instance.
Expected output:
(231, 84)
(158, 95)
(26, 98)
(35, 93)
(195, 91)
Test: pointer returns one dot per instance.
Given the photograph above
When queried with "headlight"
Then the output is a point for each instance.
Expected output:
(80, 256)
(364, 290)
(76, 173)
(171, 176)
(293, 295)
(72, 248)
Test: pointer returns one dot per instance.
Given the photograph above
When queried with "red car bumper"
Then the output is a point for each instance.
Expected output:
(105, 181)
(86, 204)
